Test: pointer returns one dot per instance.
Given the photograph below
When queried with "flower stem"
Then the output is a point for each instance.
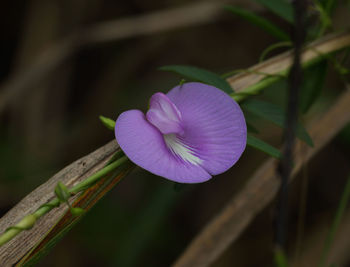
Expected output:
(29, 221)
(97, 176)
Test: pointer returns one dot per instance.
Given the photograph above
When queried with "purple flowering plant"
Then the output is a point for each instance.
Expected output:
(187, 135)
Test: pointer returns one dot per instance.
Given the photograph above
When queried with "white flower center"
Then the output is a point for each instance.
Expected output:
(181, 150)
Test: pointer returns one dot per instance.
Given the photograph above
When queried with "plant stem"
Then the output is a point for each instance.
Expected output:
(29, 221)
(286, 164)
(255, 88)
(95, 177)
(272, 47)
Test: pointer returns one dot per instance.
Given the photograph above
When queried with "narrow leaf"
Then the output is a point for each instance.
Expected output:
(262, 146)
(273, 47)
(200, 75)
(260, 22)
(281, 8)
(275, 115)
(61, 192)
(314, 78)
(109, 123)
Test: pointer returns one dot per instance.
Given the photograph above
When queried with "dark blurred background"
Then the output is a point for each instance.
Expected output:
(60, 69)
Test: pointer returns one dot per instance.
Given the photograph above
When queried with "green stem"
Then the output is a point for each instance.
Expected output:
(95, 177)
(28, 221)
(271, 79)
(273, 47)
(46, 208)
(255, 88)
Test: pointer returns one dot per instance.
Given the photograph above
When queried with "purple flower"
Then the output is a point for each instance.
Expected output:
(191, 133)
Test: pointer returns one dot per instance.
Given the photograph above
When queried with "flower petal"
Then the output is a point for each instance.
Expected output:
(164, 114)
(144, 144)
(214, 125)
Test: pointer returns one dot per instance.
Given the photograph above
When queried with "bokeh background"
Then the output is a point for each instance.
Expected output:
(65, 62)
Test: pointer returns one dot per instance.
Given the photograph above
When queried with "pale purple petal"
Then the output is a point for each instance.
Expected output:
(164, 115)
(214, 125)
(145, 146)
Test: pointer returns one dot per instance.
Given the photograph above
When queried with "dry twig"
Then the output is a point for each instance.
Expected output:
(282, 62)
(11, 252)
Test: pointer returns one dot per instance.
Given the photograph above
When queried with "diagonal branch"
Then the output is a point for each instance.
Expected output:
(314, 51)
(11, 252)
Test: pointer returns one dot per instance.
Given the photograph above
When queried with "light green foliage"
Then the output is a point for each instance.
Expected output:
(27, 222)
(109, 123)
(62, 192)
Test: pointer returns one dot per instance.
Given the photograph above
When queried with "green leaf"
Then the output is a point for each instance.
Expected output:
(275, 115)
(109, 123)
(200, 75)
(262, 146)
(62, 192)
(314, 78)
(260, 22)
(281, 8)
